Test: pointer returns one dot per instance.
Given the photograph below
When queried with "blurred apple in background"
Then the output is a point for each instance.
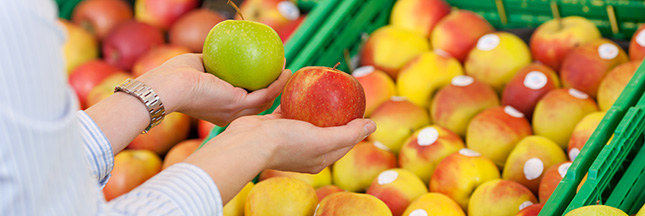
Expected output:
(191, 29)
(596, 210)
(129, 41)
(496, 131)
(425, 74)
(587, 65)
(204, 128)
(131, 169)
(80, 46)
(180, 152)
(315, 180)
(106, 87)
(235, 207)
(396, 119)
(99, 17)
(496, 58)
(433, 204)
(323, 96)
(637, 45)
(500, 197)
(88, 75)
(155, 57)
(460, 173)
(162, 13)
(173, 129)
(527, 87)
(558, 112)
(327, 190)
(582, 132)
(389, 48)
(349, 203)
(614, 83)
(532, 210)
(530, 158)
(457, 33)
(377, 85)
(457, 103)
(422, 152)
(418, 15)
(554, 39)
(278, 14)
(281, 196)
(551, 179)
(355, 171)
(397, 188)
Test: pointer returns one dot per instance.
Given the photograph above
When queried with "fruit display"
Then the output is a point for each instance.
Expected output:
(471, 120)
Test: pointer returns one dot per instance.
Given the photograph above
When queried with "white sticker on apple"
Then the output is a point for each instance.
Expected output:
(513, 112)
(442, 53)
(289, 10)
(525, 204)
(418, 212)
(573, 153)
(317, 206)
(381, 146)
(398, 98)
(578, 94)
(640, 38)
(469, 152)
(387, 177)
(607, 51)
(562, 169)
(533, 168)
(535, 80)
(462, 80)
(427, 136)
(363, 71)
(488, 42)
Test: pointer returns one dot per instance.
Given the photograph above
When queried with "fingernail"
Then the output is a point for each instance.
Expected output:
(369, 127)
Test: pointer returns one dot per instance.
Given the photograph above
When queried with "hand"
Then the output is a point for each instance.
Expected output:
(183, 86)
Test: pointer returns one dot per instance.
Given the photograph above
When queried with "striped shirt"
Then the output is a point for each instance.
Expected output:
(54, 160)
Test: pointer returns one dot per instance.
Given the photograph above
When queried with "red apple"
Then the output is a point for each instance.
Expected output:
(355, 170)
(204, 128)
(532, 210)
(551, 179)
(173, 129)
(457, 33)
(397, 188)
(155, 57)
(528, 86)
(419, 15)
(131, 169)
(378, 87)
(99, 17)
(162, 13)
(181, 151)
(106, 87)
(190, 30)
(637, 45)
(323, 96)
(326, 190)
(614, 83)
(274, 13)
(86, 76)
(129, 41)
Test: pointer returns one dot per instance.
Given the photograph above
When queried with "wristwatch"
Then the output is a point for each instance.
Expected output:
(149, 98)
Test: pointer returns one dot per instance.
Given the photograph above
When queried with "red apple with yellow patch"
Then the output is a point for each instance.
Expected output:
(614, 83)
(551, 179)
(434, 204)
(129, 41)
(162, 13)
(389, 48)
(99, 17)
(527, 87)
(500, 197)
(80, 46)
(532, 210)
(278, 14)
(355, 171)
(529, 160)
(191, 29)
(637, 45)
(425, 74)
(180, 152)
(423, 151)
(131, 169)
(281, 196)
(418, 15)
(457, 33)
(397, 188)
(155, 57)
(316, 180)
(174, 128)
(105, 88)
(349, 203)
(327, 190)
(396, 120)
(378, 87)
(88, 75)
(582, 132)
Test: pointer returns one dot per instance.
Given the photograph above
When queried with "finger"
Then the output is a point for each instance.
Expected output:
(268, 94)
(350, 134)
(284, 63)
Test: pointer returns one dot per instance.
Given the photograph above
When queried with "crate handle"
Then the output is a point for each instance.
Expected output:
(612, 19)
(556, 13)
(501, 11)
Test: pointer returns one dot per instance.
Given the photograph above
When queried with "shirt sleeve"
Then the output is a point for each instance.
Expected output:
(97, 149)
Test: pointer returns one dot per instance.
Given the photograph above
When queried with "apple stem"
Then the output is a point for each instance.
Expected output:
(237, 9)
(556, 13)
(338, 63)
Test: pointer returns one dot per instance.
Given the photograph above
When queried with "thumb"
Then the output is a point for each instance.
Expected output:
(351, 133)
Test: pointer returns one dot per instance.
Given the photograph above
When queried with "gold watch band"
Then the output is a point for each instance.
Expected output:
(149, 98)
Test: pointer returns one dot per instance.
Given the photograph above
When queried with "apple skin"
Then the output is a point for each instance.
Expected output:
(191, 29)
(204, 128)
(80, 46)
(281, 196)
(323, 96)
(456, 104)
(532, 210)
(551, 179)
(315, 180)
(593, 210)
(86, 76)
(174, 128)
(129, 41)
(637, 45)
(425, 74)
(99, 17)
(180, 152)
(389, 48)
(162, 13)
(422, 152)
(550, 44)
(275, 13)
(131, 169)
(459, 174)
(458, 32)
(349, 203)
(155, 57)
(496, 59)
(377, 85)
(507, 196)
(327, 190)
(419, 15)
(434, 204)
(235, 207)
(355, 171)
(105, 88)
(582, 132)
(558, 112)
(396, 119)
(527, 87)
(614, 83)
(397, 188)
(496, 131)
(245, 54)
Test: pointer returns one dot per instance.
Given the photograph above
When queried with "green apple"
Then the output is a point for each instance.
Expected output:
(246, 54)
